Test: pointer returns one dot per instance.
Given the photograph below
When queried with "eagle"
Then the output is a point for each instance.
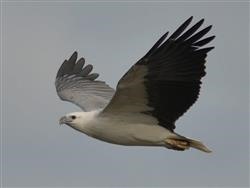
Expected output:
(149, 98)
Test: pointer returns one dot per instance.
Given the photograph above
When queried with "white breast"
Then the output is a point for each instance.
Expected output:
(115, 130)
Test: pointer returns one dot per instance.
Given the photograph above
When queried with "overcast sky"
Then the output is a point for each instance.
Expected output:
(37, 37)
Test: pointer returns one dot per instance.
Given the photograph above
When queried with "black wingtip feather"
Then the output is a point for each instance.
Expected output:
(73, 67)
(78, 66)
(92, 76)
(167, 44)
(205, 50)
(73, 58)
(86, 70)
(204, 41)
(68, 65)
(81, 61)
(181, 28)
(199, 35)
(156, 45)
(191, 31)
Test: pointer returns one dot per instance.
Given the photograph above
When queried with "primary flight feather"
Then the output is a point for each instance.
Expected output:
(149, 98)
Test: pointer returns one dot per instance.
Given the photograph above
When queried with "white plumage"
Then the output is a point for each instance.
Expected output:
(148, 99)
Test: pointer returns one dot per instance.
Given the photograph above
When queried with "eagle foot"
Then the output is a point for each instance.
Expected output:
(177, 144)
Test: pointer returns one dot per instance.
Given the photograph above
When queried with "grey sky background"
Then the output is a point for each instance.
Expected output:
(37, 37)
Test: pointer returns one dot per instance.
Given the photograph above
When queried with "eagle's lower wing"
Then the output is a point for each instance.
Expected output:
(75, 84)
(166, 81)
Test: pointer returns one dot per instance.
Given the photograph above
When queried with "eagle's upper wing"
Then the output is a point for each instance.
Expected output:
(163, 84)
(74, 83)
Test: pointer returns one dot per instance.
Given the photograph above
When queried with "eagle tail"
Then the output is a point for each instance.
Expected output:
(198, 145)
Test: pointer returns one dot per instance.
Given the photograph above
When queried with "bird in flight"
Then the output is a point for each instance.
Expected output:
(149, 98)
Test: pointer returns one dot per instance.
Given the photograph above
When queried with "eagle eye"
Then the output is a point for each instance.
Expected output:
(73, 117)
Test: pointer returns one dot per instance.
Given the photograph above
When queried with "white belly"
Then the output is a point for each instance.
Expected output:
(128, 134)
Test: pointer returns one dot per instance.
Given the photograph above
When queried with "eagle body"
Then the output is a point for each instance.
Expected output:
(117, 131)
(149, 98)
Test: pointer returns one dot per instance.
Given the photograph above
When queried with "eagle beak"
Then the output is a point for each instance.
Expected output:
(63, 120)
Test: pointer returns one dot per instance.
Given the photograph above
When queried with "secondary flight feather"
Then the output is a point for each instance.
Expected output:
(148, 99)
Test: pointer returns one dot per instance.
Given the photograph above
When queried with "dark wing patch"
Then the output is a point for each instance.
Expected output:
(175, 68)
(71, 67)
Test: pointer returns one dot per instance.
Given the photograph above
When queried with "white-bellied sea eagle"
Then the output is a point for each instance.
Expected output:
(148, 99)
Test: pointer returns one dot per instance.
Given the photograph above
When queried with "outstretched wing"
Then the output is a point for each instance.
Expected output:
(166, 81)
(75, 84)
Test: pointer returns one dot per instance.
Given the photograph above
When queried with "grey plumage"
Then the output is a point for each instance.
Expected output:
(75, 84)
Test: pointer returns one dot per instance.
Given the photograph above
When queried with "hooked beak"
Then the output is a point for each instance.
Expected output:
(63, 120)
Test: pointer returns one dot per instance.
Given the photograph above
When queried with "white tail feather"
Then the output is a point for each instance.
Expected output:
(198, 145)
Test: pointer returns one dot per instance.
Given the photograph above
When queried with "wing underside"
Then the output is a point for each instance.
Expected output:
(75, 83)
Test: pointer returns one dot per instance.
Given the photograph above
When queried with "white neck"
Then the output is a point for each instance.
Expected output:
(85, 121)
